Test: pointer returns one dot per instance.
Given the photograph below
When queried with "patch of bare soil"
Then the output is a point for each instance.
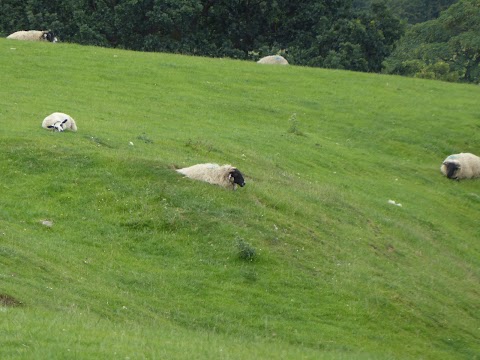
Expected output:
(9, 301)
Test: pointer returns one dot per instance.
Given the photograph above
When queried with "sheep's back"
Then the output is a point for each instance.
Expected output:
(273, 60)
(470, 166)
(211, 173)
(26, 35)
(199, 171)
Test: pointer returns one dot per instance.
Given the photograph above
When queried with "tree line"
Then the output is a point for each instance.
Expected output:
(413, 11)
(446, 48)
(359, 35)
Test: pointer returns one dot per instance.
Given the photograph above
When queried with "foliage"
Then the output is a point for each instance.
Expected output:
(327, 34)
(414, 11)
(358, 44)
(447, 48)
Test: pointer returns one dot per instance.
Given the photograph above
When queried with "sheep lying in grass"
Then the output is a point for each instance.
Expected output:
(225, 175)
(33, 35)
(273, 60)
(59, 122)
(461, 166)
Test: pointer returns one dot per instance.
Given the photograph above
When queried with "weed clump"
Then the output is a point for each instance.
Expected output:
(245, 250)
(249, 275)
(200, 146)
(145, 139)
(98, 141)
(294, 126)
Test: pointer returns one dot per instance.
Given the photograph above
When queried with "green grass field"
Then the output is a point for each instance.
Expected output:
(141, 263)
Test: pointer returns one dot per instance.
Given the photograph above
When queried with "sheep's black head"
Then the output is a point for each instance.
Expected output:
(49, 36)
(452, 169)
(236, 177)
(58, 126)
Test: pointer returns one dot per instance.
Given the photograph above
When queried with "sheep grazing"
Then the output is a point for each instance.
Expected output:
(33, 35)
(59, 122)
(461, 166)
(273, 60)
(227, 176)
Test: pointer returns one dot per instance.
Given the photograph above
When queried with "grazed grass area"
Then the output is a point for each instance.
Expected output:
(142, 263)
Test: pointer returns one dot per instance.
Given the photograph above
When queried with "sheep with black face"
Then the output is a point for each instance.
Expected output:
(461, 166)
(33, 35)
(226, 176)
(59, 122)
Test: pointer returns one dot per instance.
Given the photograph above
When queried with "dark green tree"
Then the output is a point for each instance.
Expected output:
(414, 11)
(447, 48)
(315, 33)
(358, 42)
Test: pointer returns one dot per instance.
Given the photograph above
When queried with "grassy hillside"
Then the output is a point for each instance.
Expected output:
(142, 263)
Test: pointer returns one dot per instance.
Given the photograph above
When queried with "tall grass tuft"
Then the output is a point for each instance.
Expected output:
(245, 251)
(294, 127)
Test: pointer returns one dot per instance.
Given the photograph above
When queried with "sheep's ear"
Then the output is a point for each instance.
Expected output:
(64, 121)
(51, 127)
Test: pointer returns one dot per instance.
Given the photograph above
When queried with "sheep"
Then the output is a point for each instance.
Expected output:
(33, 35)
(273, 60)
(461, 166)
(59, 122)
(227, 176)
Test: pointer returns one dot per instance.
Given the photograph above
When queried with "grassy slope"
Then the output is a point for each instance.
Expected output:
(143, 263)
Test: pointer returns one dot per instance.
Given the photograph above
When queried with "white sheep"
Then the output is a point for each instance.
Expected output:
(59, 122)
(273, 60)
(227, 176)
(33, 35)
(461, 166)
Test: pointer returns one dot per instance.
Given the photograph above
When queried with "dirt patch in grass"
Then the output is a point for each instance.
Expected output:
(9, 301)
